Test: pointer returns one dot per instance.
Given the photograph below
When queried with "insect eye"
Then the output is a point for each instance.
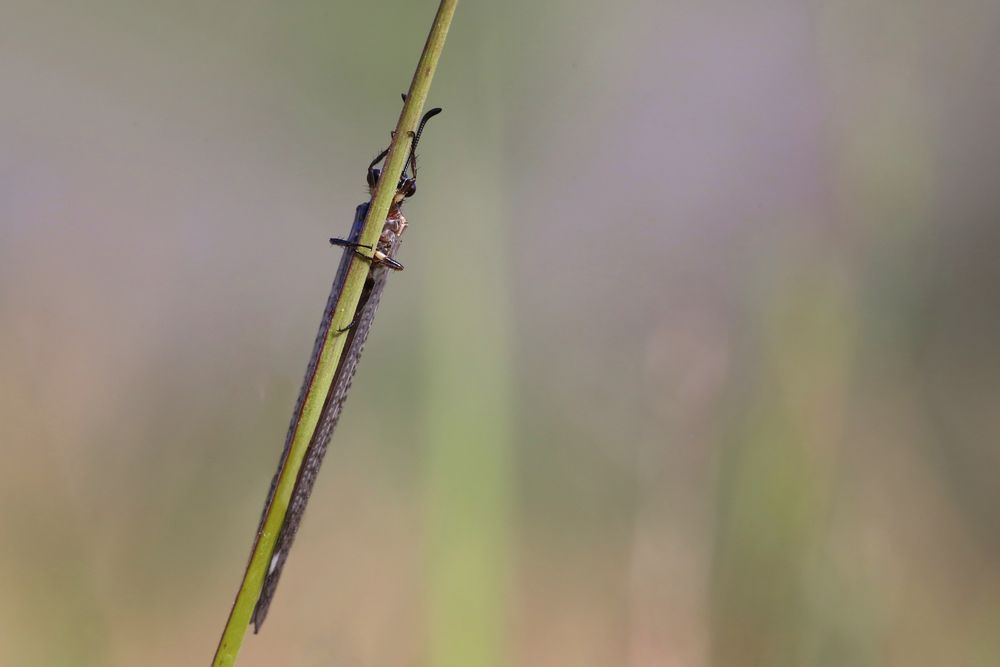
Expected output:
(373, 175)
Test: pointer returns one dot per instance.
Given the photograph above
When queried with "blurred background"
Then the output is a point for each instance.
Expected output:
(694, 361)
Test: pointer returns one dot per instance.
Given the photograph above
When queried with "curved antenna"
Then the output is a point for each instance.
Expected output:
(378, 158)
(371, 168)
(416, 138)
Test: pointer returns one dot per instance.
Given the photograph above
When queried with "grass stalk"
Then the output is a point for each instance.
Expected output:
(333, 347)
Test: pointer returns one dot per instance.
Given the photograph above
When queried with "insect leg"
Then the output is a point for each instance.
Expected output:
(379, 257)
(344, 243)
(354, 245)
(351, 325)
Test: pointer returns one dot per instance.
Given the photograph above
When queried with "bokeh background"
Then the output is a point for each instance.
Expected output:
(694, 361)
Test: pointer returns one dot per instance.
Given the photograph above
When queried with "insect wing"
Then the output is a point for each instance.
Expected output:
(321, 336)
(340, 387)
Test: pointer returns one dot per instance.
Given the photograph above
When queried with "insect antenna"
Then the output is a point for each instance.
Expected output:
(412, 162)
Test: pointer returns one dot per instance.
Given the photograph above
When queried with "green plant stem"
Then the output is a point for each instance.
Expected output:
(333, 347)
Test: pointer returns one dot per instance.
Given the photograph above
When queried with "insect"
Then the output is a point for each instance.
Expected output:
(382, 260)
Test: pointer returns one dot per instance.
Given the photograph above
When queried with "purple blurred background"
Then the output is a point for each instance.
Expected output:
(693, 363)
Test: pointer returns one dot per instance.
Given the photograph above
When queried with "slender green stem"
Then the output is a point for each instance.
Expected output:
(333, 347)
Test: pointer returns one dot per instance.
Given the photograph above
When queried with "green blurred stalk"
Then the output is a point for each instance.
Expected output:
(778, 482)
(469, 470)
(468, 475)
(253, 578)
